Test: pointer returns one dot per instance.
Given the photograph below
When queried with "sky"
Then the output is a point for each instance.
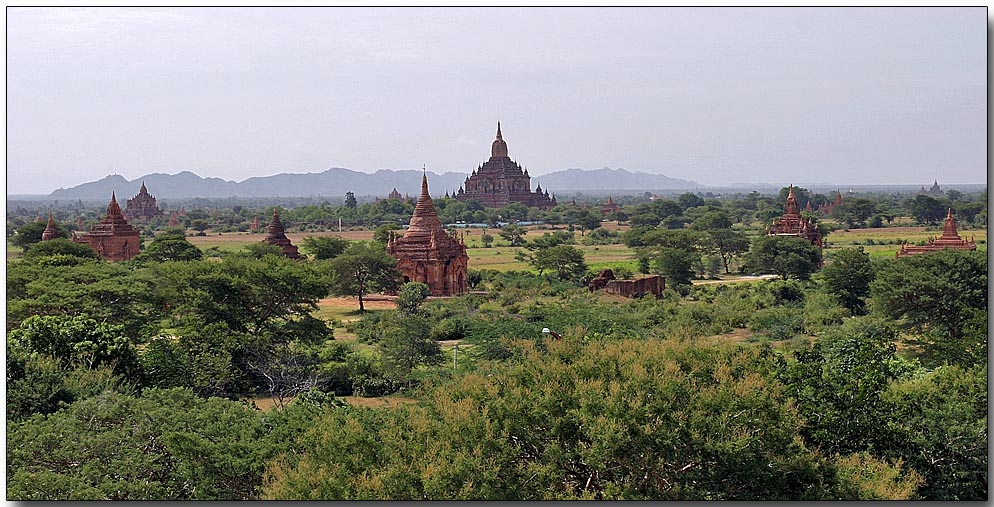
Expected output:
(714, 95)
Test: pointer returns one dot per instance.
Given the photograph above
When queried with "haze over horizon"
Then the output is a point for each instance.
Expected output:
(713, 95)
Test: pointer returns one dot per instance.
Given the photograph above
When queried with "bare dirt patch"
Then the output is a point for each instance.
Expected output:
(350, 303)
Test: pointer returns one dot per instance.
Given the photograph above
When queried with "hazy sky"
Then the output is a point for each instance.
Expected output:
(716, 95)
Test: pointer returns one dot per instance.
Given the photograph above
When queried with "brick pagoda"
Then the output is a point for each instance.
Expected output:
(949, 239)
(501, 181)
(426, 253)
(50, 231)
(275, 235)
(142, 207)
(610, 208)
(113, 238)
(792, 224)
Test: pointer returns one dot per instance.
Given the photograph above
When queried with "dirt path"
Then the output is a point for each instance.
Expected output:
(734, 280)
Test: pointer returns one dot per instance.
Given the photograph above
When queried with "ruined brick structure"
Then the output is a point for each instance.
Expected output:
(113, 238)
(654, 285)
(950, 239)
(276, 235)
(826, 209)
(255, 224)
(426, 253)
(50, 231)
(396, 195)
(792, 224)
(142, 207)
(501, 181)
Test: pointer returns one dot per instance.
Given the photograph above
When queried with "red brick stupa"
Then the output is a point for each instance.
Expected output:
(426, 253)
(50, 231)
(113, 238)
(949, 239)
(275, 235)
(792, 224)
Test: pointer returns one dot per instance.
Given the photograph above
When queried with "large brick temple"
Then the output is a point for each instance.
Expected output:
(113, 238)
(950, 239)
(426, 253)
(142, 207)
(501, 181)
(793, 224)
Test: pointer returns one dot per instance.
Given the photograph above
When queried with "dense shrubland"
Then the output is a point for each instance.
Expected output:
(860, 380)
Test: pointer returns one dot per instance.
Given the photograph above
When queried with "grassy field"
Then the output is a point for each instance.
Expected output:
(499, 257)
(884, 242)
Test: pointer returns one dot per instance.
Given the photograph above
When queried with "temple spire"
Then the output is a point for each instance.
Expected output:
(424, 183)
(498, 130)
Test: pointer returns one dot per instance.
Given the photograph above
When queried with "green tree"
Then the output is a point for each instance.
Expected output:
(786, 256)
(839, 386)
(164, 445)
(382, 233)
(674, 264)
(363, 268)
(325, 247)
(60, 247)
(592, 421)
(847, 276)
(712, 220)
(487, 240)
(566, 261)
(407, 343)
(941, 296)
(727, 244)
(260, 249)
(942, 417)
(77, 341)
(926, 210)
(350, 201)
(855, 211)
(411, 296)
(109, 292)
(30, 234)
(170, 247)
(513, 234)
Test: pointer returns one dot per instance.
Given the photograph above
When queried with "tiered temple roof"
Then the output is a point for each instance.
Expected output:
(950, 239)
(793, 224)
(113, 238)
(501, 181)
(142, 206)
(276, 235)
(426, 253)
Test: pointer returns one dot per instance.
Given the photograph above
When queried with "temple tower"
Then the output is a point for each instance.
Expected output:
(142, 206)
(426, 253)
(275, 235)
(50, 231)
(792, 224)
(501, 181)
(113, 238)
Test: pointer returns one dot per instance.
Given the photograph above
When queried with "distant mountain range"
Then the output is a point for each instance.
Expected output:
(337, 181)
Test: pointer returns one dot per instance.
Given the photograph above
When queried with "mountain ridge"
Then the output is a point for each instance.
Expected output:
(337, 180)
